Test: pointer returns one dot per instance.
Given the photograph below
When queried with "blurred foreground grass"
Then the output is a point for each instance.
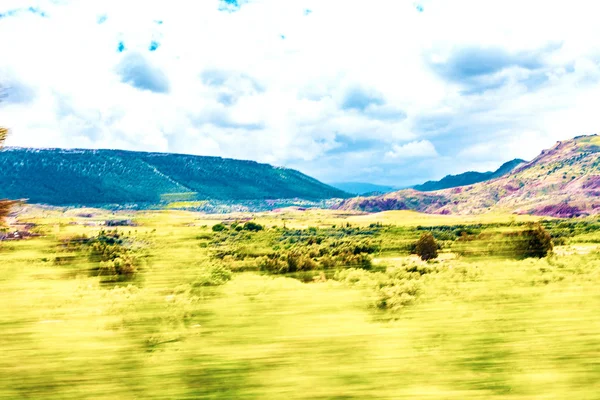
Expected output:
(480, 327)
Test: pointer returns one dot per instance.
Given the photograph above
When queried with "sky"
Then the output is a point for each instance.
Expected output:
(391, 92)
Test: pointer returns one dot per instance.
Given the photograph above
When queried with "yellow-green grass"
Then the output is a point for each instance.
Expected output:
(480, 328)
(413, 218)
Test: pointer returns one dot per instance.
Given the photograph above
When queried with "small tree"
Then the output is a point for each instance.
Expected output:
(537, 242)
(219, 227)
(5, 205)
(426, 247)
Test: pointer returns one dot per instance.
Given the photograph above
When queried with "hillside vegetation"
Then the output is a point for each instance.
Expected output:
(563, 181)
(100, 177)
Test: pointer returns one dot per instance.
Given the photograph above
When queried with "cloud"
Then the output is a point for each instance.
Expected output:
(135, 70)
(416, 149)
(15, 92)
(232, 80)
(417, 84)
(344, 144)
(473, 62)
(360, 99)
(385, 113)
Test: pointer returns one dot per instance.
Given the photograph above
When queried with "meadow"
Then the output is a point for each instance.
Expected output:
(311, 304)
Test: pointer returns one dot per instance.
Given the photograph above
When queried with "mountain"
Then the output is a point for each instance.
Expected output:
(102, 177)
(563, 181)
(449, 181)
(469, 178)
(362, 188)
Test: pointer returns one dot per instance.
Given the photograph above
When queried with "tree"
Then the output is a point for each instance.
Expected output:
(536, 242)
(5, 205)
(3, 135)
(426, 247)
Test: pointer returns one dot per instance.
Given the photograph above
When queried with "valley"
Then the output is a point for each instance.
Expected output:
(299, 200)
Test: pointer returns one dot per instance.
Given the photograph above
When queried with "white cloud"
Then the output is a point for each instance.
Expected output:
(416, 149)
(463, 77)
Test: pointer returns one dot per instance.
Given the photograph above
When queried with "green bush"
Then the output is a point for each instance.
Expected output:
(111, 252)
(219, 227)
(252, 226)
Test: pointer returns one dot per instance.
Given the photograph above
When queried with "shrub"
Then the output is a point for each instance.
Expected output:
(397, 295)
(115, 260)
(327, 262)
(272, 263)
(219, 227)
(362, 261)
(252, 226)
(214, 275)
(426, 247)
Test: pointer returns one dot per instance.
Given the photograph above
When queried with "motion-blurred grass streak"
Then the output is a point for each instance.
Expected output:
(480, 328)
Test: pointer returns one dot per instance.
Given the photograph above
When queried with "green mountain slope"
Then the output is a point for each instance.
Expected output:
(99, 177)
(563, 181)
(469, 178)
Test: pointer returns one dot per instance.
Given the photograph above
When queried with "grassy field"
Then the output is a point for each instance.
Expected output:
(223, 315)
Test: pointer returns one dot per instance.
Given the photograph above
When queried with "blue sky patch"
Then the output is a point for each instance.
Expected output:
(153, 45)
(32, 10)
(136, 71)
(121, 47)
(474, 62)
(102, 19)
(359, 99)
(37, 11)
(229, 5)
(214, 77)
(384, 113)
(348, 144)
(227, 99)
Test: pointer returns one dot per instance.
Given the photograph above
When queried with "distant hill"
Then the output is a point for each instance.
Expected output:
(363, 188)
(102, 177)
(563, 181)
(469, 178)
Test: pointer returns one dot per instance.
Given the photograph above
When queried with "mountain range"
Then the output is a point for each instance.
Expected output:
(104, 177)
(449, 181)
(563, 181)
(469, 177)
